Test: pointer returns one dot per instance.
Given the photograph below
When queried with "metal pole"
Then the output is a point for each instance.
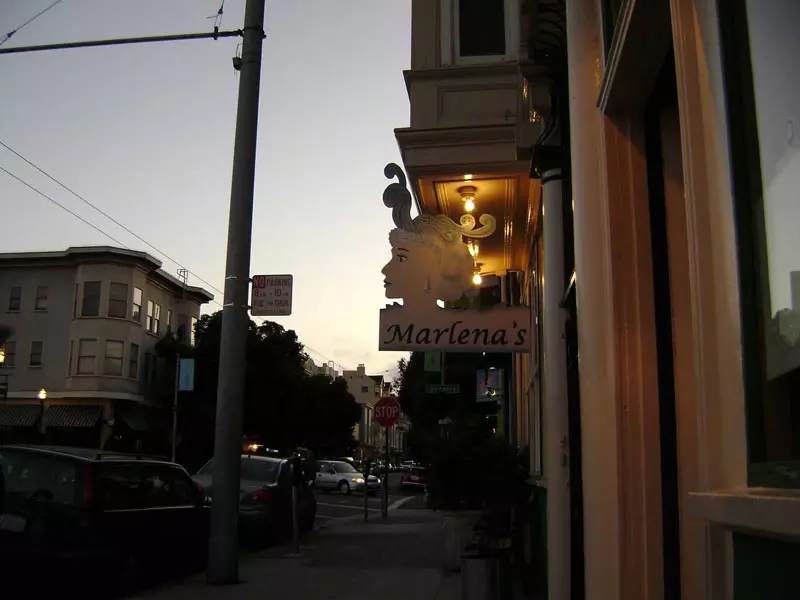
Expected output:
(175, 405)
(386, 475)
(295, 528)
(223, 562)
(122, 41)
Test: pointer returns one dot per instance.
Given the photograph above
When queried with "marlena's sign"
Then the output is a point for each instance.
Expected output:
(430, 263)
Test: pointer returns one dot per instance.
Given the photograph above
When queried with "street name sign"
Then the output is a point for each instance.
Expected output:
(442, 388)
(271, 295)
(386, 411)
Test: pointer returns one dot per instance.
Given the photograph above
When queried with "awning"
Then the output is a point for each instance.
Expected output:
(19, 415)
(70, 415)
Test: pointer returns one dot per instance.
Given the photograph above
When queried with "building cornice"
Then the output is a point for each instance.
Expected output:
(76, 255)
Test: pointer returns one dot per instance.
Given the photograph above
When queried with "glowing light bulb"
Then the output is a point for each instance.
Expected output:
(469, 205)
(476, 279)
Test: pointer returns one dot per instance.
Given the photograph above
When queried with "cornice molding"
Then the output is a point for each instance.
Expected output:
(461, 71)
(408, 137)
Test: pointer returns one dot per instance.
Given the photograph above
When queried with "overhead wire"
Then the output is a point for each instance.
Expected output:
(105, 214)
(11, 33)
(119, 224)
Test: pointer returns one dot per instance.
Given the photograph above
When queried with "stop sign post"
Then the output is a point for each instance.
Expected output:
(386, 413)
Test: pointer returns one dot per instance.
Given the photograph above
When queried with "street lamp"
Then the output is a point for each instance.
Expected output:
(42, 394)
(2, 356)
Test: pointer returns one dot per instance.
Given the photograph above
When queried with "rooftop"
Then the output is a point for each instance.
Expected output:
(77, 254)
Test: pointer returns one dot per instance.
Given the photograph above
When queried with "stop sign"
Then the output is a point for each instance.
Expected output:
(386, 411)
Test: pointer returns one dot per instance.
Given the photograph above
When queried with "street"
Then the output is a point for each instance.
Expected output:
(333, 505)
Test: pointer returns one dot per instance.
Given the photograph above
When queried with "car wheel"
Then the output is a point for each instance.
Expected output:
(344, 487)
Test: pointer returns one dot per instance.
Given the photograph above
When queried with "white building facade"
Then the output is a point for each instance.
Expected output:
(84, 326)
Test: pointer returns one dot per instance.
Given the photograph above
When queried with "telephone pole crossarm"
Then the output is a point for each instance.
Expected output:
(122, 41)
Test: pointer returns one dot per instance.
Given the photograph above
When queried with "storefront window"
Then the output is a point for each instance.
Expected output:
(765, 143)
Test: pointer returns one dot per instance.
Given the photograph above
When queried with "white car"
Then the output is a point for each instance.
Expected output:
(343, 477)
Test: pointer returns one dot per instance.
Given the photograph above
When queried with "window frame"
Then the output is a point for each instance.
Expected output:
(136, 304)
(748, 193)
(449, 35)
(148, 316)
(33, 353)
(120, 344)
(38, 304)
(10, 349)
(12, 298)
(156, 318)
(193, 331)
(81, 355)
(84, 298)
(133, 362)
(113, 301)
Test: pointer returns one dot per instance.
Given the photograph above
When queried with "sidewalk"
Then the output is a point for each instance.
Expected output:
(390, 559)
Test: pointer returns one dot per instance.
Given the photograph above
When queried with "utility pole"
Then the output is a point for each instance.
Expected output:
(223, 559)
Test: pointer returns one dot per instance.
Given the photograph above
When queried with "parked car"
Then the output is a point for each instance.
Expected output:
(413, 478)
(105, 522)
(344, 478)
(265, 506)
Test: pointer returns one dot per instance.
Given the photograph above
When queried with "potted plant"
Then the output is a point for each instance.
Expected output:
(472, 477)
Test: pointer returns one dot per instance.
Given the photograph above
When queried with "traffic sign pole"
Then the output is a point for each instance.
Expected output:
(386, 476)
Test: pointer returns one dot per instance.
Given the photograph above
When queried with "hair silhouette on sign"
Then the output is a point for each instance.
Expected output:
(430, 261)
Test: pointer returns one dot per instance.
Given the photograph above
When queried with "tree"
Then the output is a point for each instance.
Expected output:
(284, 407)
(425, 410)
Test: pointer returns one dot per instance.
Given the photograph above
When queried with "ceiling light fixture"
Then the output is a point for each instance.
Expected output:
(473, 248)
(468, 196)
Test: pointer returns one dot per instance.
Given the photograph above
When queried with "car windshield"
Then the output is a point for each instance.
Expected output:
(253, 469)
(27, 475)
(343, 467)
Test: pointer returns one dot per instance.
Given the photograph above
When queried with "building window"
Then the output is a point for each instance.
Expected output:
(763, 96)
(10, 349)
(118, 300)
(87, 357)
(150, 366)
(36, 354)
(113, 361)
(69, 363)
(169, 320)
(157, 319)
(136, 313)
(15, 298)
(364, 389)
(193, 331)
(481, 28)
(133, 362)
(41, 298)
(148, 319)
(91, 299)
(478, 31)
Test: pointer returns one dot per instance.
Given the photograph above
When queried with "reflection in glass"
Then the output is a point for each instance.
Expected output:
(774, 49)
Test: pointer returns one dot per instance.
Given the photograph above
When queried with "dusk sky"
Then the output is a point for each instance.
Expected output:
(146, 133)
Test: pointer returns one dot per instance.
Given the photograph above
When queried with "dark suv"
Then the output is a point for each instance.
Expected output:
(104, 521)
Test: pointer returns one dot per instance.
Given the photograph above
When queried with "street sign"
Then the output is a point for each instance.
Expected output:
(433, 361)
(271, 295)
(386, 411)
(442, 388)
(186, 375)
